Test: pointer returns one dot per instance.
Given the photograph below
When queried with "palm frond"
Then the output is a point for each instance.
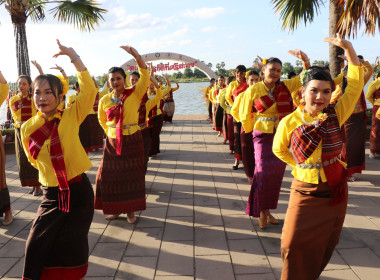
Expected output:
(293, 12)
(83, 14)
(357, 13)
(36, 10)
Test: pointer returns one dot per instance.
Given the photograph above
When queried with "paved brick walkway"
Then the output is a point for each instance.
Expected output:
(194, 226)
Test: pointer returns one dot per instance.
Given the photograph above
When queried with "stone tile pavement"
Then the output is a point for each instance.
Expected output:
(194, 226)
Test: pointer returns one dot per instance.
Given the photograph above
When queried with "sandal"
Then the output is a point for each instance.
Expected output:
(132, 219)
(37, 193)
(7, 221)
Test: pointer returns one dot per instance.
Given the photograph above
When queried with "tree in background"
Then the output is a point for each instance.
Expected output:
(83, 14)
(188, 73)
(345, 17)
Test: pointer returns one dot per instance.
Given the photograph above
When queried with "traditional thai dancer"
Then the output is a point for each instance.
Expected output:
(206, 96)
(247, 152)
(169, 105)
(264, 104)
(23, 108)
(234, 89)
(57, 246)
(155, 121)
(218, 111)
(228, 131)
(353, 151)
(5, 202)
(120, 181)
(373, 96)
(310, 140)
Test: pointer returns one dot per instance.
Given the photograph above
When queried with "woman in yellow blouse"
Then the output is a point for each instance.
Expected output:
(120, 181)
(373, 96)
(57, 246)
(310, 140)
(263, 105)
(228, 132)
(5, 203)
(22, 108)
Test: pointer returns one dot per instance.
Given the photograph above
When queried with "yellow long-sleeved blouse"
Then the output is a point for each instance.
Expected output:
(4, 91)
(101, 94)
(131, 106)
(266, 121)
(76, 160)
(231, 87)
(223, 102)
(236, 107)
(373, 86)
(343, 108)
(17, 114)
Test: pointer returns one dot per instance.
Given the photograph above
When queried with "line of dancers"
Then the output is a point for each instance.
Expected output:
(312, 122)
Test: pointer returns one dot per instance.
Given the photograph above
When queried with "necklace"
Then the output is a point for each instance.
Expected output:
(315, 123)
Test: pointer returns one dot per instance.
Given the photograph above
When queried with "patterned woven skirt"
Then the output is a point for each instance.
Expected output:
(120, 181)
(353, 151)
(145, 132)
(168, 111)
(311, 230)
(85, 133)
(5, 203)
(57, 246)
(218, 118)
(247, 153)
(375, 132)
(155, 129)
(268, 175)
(28, 174)
(225, 128)
(237, 141)
(97, 133)
(231, 134)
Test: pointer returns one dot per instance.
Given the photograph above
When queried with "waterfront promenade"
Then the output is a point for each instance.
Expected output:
(195, 226)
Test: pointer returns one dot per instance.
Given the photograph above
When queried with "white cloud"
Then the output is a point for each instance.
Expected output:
(204, 13)
(209, 29)
(139, 22)
(176, 34)
(184, 42)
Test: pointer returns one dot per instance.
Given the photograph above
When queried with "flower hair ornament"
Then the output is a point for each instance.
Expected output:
(304, 75)
(265, 60)
(65, 84)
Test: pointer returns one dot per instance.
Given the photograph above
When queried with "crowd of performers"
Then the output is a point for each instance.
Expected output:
(312, 122)
(52, 140)
(268, 123)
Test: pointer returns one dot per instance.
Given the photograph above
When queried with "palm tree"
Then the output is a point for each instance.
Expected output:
(345, 17)
(83, 14)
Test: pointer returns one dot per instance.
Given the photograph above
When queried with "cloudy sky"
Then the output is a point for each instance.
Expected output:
(213, 31)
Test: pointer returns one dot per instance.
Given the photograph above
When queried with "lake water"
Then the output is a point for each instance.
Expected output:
(188, 100)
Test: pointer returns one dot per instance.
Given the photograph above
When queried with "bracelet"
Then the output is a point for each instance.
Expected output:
(63, 70)
(76, 56)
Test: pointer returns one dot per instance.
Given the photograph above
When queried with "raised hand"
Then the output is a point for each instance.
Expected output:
(63, 50)
(299, 54)
(132, 51)
(261, 60)
(35, 63)
(59, 68)
(338, 41)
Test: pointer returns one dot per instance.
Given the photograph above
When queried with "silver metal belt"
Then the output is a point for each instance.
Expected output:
(273, 119)
(142, 125)
(127, 126)
(317, 165)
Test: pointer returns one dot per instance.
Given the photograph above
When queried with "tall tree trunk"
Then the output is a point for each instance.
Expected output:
(23, 66)
(335, 61)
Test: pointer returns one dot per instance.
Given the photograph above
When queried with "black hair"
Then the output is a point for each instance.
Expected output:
(241, 68)
(291, 74)
(230, 79)
(252, 72)
(318, 73)
(53, 81)
(117, 70)
(345, 70)
(273, 60)
(136, 74)
(212, 79)
(360, 56)
(378, 75)
(221, 77)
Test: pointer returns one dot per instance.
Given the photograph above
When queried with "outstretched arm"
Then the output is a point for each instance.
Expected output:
(132, 51)
(60, 69)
